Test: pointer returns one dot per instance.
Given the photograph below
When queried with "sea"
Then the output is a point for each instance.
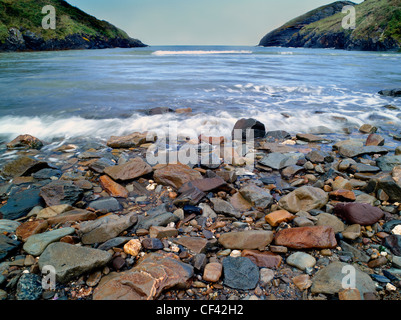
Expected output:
(94, 94)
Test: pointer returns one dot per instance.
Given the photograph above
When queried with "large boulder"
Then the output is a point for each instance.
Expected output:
(21, 166)
(25, 141)
(243, 127)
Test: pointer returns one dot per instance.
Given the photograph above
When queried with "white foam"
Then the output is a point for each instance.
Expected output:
(199, 52)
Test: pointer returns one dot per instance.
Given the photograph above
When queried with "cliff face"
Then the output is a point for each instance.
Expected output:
(378, 28)
(21, 28)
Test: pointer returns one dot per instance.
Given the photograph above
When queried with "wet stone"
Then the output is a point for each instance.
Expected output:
(240, 273)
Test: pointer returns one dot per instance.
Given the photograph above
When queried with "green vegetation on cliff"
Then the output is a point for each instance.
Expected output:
(26, 15)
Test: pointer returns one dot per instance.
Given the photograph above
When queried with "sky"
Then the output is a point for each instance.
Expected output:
(198, 22)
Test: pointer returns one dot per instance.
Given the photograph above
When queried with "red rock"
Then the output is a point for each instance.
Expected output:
(374, 140)
(212, 272)
(343, 194)
(263, 259)
(319, 237)
(276, 217)
(175, 175)
(358, 213)
(29, 228)
(349, 294)
(113, 188)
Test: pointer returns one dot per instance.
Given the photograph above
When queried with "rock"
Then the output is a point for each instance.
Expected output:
(146, 281)
(327, 219)
(3, 295)
(19, 204)
(340, 183)
(263, 259)
(376, 263)
(239, 203)
(131, 141)
(329, 280)
(7, 246)
(349, 295)
(130, 170)
(387, 163)
(212, 272)
(29, 228)
(258, 197)
(302, 282)
(77, 215)
(356, 254)
(278, 161)
(210, 160)
(71, 261)
(244, 126)
(317, 156)
(195, 244)
(113, 188)
(304, 199)
(291, 171)
(207, 211)
(374, 140)
(367, 128)
(276, 217)
(252, 239)
(156, 217)
(29, 287)
(358, 213)
(60, 192)
(191, 196)
(391, 93)
(240, 273)
(100, 164)
(25, 141)
(342, 195)
(8, 226)
(352, 232)
(105, 228)
(205, 185)
(393, 242)
(277, 136)
(199, 261)
(266, 276)
(113, 243)
(224, 207)
(301, 260)
(175, 175)
(21, 166)
(350, 151)
(162, 232)
(105, 205)
(152, 244)
(37, 243)
(310, 137)
(320, 237)
(53, 211)
(228, 176)
(133, 247)
(159, 110)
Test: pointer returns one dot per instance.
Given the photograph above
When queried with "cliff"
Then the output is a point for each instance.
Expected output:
(21, 28)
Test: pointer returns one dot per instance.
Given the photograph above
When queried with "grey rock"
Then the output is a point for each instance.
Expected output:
(301, 260)
(106, 205)
(387, 163)
(114, 243)
(279, 161)
(327, 219)
(37, 243)
(240, 273)
(19, 204)
(71, 261)
(156, 217)
(329, 280)
(356, 254)
(8, 225)
(60, 192)
(7, 245)
(259, 197)
(224, 207)
(105, 228)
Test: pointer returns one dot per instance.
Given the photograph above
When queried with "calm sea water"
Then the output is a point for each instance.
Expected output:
(98, 93)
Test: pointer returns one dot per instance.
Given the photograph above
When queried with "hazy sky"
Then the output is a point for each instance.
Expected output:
(198, 22)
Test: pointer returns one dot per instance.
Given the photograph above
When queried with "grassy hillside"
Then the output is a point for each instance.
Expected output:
(27, 15)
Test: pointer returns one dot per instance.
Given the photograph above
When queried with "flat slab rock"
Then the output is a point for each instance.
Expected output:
(71, 261)
(319, 237)
(358, 213)
(240, 273)
(252, 239)
(155, 273)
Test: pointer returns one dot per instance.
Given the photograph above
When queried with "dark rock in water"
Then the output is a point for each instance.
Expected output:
(386, 183)
(360, 167)
(106, 205)
(188, 209)
(159, 110)
(25, 141)
(20, 203)
(60, 192)
(29, 287)
(21, 166)
(244, 125)
(131, 141)
(278, 161)
(46, 173)
(350, 151)
(277, 135)
(240, 273)
(380, 278)
(387, 163)
(374, 140)
(7, 245)
(317, 156)
(393, 242)
(358, 213)
(391, 93)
